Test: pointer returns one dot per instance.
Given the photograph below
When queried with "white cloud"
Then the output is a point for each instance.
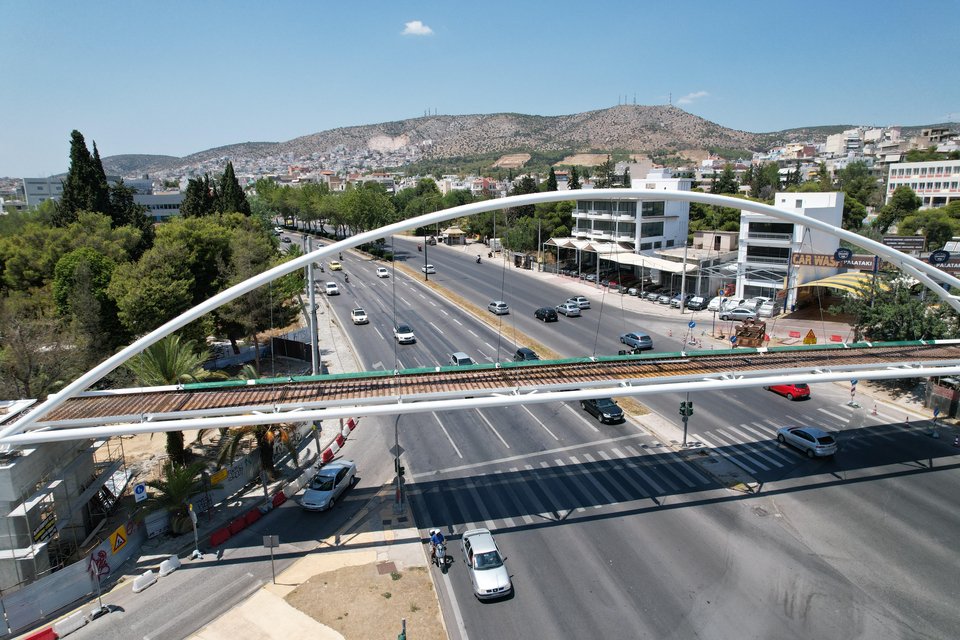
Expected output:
(416, 28)
(690, 97)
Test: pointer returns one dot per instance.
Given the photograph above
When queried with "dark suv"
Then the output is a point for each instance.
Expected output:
(603, 409)
(524, 354)
(547, 314)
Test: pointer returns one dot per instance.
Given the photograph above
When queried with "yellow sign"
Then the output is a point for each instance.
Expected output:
(118, 538)
(218, 477)
(810, 338)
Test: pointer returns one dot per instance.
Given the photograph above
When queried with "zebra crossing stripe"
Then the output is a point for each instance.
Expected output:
(754, 450)
(726, 454)
(483, 511)
(553, 497)
(526, 518)
(593, 480)
(833, 415)
(629, 464)
(496, 493)
(658, 463)
(620, 470)
(573, 479)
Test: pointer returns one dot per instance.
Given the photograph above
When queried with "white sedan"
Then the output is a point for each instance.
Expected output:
(428, 269)
(329, 484)
(488, 574)
(332, 289)
(359, 316)
(382, 272)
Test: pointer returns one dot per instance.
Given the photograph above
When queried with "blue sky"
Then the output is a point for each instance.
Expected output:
(179, 77)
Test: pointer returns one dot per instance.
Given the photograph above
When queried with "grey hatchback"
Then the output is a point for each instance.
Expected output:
(638, 340)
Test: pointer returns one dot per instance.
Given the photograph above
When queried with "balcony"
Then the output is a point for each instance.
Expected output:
(775, 237)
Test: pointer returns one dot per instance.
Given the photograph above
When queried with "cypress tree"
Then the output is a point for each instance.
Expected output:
(626, 178)
(78, 185)
(574, 182)
(552, 181)
(198, 200)
(101, 190)
(232, 197)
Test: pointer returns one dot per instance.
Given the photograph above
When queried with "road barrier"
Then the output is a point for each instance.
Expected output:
(169, 565)
(143, 581)
(70, 624)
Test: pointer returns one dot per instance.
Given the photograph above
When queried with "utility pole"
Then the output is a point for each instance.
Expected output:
(312, 297)
(683, 279)
(426, 276)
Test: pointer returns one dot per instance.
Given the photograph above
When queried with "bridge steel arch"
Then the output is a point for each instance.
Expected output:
(925, 273)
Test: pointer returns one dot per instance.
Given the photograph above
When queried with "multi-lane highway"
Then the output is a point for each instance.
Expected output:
(609, 533)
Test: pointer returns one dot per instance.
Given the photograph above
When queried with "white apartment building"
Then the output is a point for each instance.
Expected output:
(646, 225)
(36, 190)
(936, 182)
(766, 245)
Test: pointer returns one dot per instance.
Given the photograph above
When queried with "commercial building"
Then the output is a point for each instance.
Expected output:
(936, 182)
(767, 244)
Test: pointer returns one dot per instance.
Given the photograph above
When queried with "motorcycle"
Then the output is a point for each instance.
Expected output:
(490, 254)
(346, 278)
(478, 259)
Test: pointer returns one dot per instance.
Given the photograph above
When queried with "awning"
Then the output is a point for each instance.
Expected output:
(855, 282)
(616, 252)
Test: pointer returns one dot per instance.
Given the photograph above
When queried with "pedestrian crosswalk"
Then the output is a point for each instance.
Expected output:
(753, 445)
(556, 486)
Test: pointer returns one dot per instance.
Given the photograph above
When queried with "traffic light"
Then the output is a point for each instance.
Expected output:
(686, 408)
(683, 408)
(399, 468)
(690, 408)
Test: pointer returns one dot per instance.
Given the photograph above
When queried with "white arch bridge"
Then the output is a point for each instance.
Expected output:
(76, 413)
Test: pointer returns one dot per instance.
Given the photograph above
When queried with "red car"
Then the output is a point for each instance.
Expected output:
(791, 391)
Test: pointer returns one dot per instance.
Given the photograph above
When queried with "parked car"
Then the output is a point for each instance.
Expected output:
(428, 269)
(498, 307)
(285, 239)
(525, 354)
(740, 313)
(590, 277)
(580, 301)
(359, 316)
(461, 359)
(637, 340)
(696, 303)
(547, 314)
(404, 334)
(755, 302)
(488, 574)
(769, 309)
(664, 298)
(603, 409)
(791, 391)
(569, 309)
(331, 289)
(732, 303)
(382, 272)
(715, 303)
(335, 266)
(675, 300)
(652, 296)
(811, 440)
(333, 479)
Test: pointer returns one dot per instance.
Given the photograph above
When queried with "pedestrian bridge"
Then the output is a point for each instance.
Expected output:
(306, 398)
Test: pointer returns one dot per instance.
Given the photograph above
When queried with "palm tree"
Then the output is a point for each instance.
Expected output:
(171, 361)
(179, 482)
(265, 436)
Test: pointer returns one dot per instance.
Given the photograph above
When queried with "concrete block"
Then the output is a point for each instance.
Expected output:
(141, 582)
(70, 624)
(169, 565)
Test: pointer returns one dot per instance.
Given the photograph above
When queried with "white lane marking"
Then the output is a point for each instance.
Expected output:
(833, 415)
(572, 477)
(435, 327)
(527, 519)
(493, 428)
(377, 365)
(404, 301)
(382, 337)
(537, 420)
(524, 456)
(444, 312)
(489, 524)
(620, 470)
(432, 303)
(492, 348)
(446, 433)
(754, 451)
(545, 508)
(738, 449)
(453, 603)
(729, 456)
(470, 331)
(580, 415)
(589, 476)
(496, 494)
(457, 321)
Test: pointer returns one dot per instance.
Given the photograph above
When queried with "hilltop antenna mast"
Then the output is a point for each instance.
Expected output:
(670, 98)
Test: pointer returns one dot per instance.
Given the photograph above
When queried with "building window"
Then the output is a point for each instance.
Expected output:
(652, 209)
(648, 229)
(798, 204)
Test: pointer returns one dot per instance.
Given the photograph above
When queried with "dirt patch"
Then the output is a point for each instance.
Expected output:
(362, 604)
(584, 159)
(512, 160)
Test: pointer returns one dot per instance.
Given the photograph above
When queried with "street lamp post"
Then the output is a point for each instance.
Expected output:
(426, 276)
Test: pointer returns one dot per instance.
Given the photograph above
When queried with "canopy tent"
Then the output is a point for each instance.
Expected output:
(855, 282)
(620, 254)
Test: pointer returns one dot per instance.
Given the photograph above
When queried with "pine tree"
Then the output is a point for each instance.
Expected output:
(198, 199)
(101, 190)
(552, 181)
(574, 182)
(232, 197)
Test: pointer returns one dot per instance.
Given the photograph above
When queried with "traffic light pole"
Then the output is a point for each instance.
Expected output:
(686, 410)
(398, 503)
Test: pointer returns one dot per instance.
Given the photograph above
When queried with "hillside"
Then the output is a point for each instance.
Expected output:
(636, 128)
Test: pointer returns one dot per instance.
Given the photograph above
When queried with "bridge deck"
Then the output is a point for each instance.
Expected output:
(486, 379)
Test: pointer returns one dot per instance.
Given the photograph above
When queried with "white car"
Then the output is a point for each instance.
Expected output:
(580, 301)
(359, 316)
(329, 484)
(404, 334)
(569, 309)
(382, 272)
(428, 269)
(488, 574)
(331, 289)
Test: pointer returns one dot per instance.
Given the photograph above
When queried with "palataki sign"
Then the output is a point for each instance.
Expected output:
(856, 261)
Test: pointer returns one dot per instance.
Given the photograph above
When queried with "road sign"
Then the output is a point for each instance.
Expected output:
(691, 324)
(810, 338)
(854, 382)
(936, 412)
(140, 492)
(842, 254)
(271, 541)
(733, 339)
(939, 257)
(118, 538)
(905, 243)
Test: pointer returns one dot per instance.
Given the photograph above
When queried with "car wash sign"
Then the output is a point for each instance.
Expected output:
(850, 261)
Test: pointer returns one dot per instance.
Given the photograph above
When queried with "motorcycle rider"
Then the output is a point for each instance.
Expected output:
(436, 537)
(346, 278)
(478, 258)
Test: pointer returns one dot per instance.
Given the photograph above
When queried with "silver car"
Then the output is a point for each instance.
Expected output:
(329, 484)
(488, 574)
(569, 309)
(740, 313)
(811, 440)
(580, 301)
(498, 307)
